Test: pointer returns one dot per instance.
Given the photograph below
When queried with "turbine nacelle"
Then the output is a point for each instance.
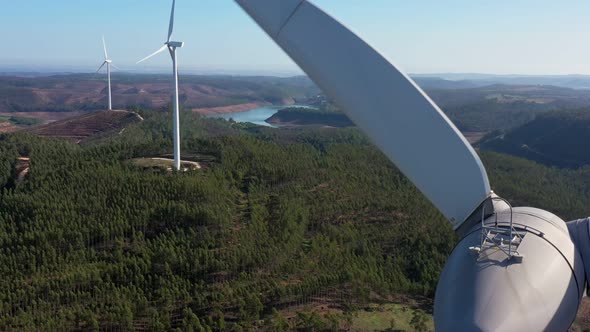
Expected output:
(175, 44)
(518, 270)
(169, 44)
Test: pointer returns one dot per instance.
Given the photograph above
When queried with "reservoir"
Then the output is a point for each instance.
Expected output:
(255, 116)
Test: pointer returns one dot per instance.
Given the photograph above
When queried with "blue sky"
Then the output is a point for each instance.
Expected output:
(434, 36)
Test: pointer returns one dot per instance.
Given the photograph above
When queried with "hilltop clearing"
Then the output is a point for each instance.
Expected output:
(91, 124)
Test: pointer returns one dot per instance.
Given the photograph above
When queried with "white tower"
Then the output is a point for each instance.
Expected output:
(109, 63)
(172, 46)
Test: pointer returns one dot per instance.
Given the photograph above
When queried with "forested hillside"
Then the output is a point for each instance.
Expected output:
(299, 116)
(503, 107)
(276, 222)
(479, 108)
(558, 138)
(89, 240)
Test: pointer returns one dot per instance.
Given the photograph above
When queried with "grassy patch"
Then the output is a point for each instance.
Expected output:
(381, 317)
(164, 164)
(20, 121)
(153, 163)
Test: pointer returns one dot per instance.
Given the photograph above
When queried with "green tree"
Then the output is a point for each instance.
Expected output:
(277, 322)
(418, 321)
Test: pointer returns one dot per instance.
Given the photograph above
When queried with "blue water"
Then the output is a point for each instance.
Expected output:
(256, 116)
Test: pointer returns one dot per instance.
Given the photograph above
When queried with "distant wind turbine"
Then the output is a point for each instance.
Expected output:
(109, 63)
(172, 46)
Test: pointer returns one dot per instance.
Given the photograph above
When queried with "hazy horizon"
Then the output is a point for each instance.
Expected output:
(57, 70)
(522, 37)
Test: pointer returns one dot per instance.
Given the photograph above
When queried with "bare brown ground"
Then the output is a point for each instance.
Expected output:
(87, 125)
(46, 117)
(474, 136)
(22, 168)
(7, 127)
(229, 109)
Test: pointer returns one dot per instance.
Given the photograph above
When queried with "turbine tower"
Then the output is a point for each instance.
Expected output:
(109, 63)
(514, 268)
(172, 46)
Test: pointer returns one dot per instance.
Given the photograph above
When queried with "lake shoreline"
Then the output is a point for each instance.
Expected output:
(257, 116)
(238, 108)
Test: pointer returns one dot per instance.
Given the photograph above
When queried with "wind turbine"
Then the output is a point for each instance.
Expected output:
(172, 46)
(109, 63)
(514, 269)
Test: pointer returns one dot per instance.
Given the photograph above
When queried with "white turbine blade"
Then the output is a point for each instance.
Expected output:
(104, 45)
(99, 68)
(162, 49)
(117, 68)
(385, 103)
(171, 26)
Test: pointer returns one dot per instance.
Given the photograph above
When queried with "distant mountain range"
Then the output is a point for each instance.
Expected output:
(434, 80)
(460, 81)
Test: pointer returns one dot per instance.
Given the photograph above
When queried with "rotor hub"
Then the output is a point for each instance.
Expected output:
(175, 44)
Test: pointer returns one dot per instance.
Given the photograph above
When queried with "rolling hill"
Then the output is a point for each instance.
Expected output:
(456, 80)
(473, 107)
(557, 138)
(299, 116)
(83, 92)
(482, 109)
